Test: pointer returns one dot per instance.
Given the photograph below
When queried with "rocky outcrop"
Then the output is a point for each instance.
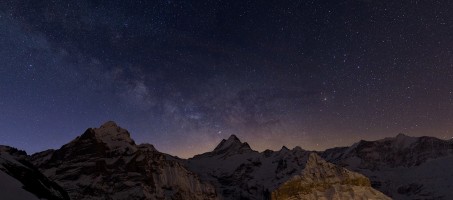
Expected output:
(322, 180)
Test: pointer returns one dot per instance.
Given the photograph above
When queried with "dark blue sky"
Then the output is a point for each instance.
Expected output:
(182, 75)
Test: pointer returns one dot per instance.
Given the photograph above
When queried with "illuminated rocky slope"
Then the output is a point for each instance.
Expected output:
(322, 180)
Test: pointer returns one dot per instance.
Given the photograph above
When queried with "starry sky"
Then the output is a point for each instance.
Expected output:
(182, 75)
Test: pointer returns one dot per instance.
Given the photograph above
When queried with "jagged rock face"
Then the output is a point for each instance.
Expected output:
(105, 163)
(322, 180)
(402, 167)
(241, 173)
(19, 179)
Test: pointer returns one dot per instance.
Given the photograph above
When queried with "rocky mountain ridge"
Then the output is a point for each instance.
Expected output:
(402, 167)
(105, 163)
(238, 172)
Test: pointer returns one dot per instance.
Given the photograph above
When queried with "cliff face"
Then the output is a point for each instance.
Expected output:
(322, 180)
(105, 163)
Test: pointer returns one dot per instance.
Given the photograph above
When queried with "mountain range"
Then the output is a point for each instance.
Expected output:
(106, 163)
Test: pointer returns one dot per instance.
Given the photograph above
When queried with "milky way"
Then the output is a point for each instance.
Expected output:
(182, 75)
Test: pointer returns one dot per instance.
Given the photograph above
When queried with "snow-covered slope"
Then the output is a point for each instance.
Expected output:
(402, 167)
(238, 172)
(12, 189)
(105, 163)
(20, 180)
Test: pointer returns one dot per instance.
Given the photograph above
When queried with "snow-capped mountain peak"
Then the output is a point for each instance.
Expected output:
(284, 149)
(231, 146)
(108, 139)
(114, 136)
(110, 131)
(231, 141)
(105, 163)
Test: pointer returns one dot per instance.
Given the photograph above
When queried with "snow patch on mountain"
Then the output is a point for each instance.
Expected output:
(23, 180)
(12, 189)
(115, 137)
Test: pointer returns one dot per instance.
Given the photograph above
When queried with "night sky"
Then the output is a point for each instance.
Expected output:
(182, 75)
